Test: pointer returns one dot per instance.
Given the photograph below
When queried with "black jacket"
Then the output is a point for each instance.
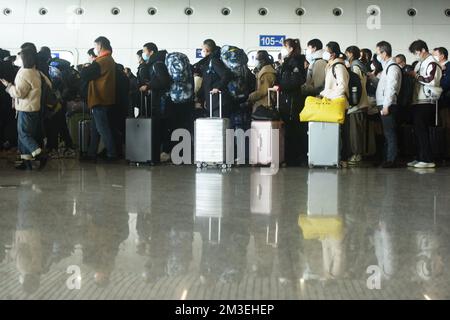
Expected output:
(215, 76)
(291, 76)
(159, 81)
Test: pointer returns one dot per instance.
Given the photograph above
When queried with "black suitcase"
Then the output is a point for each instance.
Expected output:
(438, 138)
(138, 144)
(84, 134)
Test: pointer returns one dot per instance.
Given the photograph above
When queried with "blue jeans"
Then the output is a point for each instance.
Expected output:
(100, 128)
(27, 130)
(390, 134)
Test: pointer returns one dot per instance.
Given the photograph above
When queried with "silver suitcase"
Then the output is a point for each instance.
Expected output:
(138, 142)
(210, 138)
(265, 146)
(324, 144)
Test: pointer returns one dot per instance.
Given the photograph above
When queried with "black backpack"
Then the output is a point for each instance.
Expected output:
(405, 96)
(353, 83)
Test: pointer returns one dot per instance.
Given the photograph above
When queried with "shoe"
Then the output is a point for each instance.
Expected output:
(388, 165)
(412, 163)
(69, 153)
(165, 157)
(24, 165)
(355, 159)
(42, 158)
(54, 154)
(425, 165)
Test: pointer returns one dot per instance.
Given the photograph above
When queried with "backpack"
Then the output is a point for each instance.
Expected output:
(236, 60)
(405, 96)
(182, 88)
(50, 101)
(354, 82)
(65, 78)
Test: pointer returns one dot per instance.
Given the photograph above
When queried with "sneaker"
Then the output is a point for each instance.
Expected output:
(412, 163)
(165, 157)
(355, 159)
(69, 153)
(425, 165)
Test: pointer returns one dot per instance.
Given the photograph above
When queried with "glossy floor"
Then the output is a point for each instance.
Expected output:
(114, 232)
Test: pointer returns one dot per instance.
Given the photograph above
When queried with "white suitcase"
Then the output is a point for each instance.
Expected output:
(210, 138)
(324, 144)
(323, 197)
(264, 149)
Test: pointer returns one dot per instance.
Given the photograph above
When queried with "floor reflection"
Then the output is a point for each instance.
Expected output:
(175, 233)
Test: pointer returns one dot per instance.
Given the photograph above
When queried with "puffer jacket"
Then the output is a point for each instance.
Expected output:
(429, 77)
(266, 78)
(291, 76)
(336, 87)
(27, 90)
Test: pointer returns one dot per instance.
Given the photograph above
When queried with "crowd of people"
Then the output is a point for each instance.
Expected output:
(389, 120)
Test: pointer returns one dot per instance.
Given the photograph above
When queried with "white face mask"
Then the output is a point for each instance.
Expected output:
(309, 51)
(96, 52)
(372, 66)
(284, 52)
(417, 56)
(326, 55)
(19, 62)
(203, 53)
(436, 58)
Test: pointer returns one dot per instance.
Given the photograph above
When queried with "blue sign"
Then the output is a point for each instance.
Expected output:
(198, 53)
(55, 55)
(271, 41)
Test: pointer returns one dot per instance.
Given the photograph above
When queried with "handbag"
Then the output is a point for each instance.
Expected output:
(324, 110)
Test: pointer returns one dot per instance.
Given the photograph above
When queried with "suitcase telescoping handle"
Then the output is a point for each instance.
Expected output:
(278, 97)
(144, 104)
(436, 121)
(211, 104)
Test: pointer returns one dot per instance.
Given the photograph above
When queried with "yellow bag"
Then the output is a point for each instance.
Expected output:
(324, 110)
(321, 227)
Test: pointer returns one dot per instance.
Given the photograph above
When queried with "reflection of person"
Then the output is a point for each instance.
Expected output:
(225, 261)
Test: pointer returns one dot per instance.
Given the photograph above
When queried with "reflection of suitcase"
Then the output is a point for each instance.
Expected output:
(138, 144)
(438, 138)
(265, 146)
(209, 203)
(323, 196)
(323, 144)
(210, 138)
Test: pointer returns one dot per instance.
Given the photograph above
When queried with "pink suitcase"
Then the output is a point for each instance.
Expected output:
(264, 142)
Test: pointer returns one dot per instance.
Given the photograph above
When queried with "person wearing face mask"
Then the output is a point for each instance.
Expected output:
(266, 77)
(290, 78)
(216, 77)
(428, 74)
(315, 79)
(387, 92)
(101, 78)
(337, 76)
(366, 58)
(441, 56)
(156, 84)
(355, 125)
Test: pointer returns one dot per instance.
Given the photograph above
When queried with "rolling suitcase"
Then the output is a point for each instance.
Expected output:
(84, 134)
(210, 138)
(323, 144)
(263, 147)
(438, 138)
(138, 142)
